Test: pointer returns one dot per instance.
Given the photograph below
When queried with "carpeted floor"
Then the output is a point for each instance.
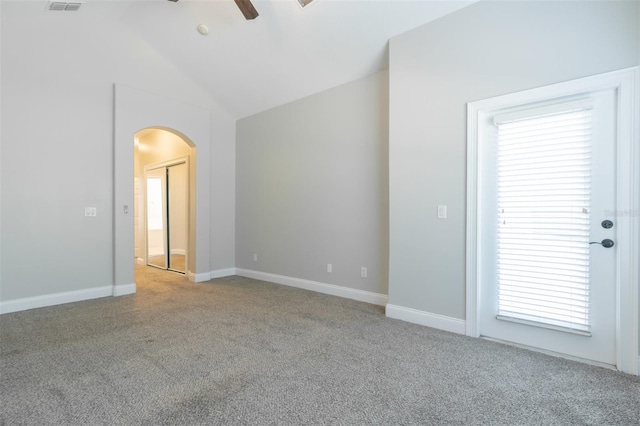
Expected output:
(239, 351)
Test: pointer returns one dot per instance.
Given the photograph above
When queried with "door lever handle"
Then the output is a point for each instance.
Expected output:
(606, 243)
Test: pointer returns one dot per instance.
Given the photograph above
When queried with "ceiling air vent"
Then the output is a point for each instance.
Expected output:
(64, 6)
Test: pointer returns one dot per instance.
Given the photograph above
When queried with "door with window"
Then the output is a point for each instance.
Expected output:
(548, 252)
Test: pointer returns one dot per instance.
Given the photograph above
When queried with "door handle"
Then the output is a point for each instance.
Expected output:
(606, 243)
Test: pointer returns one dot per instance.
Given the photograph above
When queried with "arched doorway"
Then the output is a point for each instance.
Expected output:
(136, 110)
(164, 197)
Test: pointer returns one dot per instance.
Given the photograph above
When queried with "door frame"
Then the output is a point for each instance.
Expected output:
(627, 84)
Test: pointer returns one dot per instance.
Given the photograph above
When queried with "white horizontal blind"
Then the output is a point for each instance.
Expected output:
(544, 186)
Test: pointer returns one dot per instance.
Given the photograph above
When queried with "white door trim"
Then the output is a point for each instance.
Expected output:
(627, 84)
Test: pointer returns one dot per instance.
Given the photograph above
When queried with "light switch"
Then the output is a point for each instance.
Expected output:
(442, 212)
(90, 211)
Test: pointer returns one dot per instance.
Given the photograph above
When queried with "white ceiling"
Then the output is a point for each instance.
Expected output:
(285, 54)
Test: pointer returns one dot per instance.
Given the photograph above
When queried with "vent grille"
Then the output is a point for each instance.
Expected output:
(64, 6)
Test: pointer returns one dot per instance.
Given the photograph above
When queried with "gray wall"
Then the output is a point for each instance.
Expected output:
(312, 188)
(58, 73)
(484, 50)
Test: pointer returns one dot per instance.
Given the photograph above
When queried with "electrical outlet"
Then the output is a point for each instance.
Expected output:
(363, 272)
(255, 257)
(329, 268)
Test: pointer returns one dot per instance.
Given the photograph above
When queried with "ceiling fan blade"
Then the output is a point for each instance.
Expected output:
(247, 9)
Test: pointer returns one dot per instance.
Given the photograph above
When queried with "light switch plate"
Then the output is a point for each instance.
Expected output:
(442, 212)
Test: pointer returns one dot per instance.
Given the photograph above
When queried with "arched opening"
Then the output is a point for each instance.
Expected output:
(136, 110)
(164, 199)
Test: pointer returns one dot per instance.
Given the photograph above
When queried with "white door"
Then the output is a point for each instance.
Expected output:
(547, 188)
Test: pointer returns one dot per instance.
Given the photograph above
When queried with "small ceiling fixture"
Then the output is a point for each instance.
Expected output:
(303, 3)
(203, 29)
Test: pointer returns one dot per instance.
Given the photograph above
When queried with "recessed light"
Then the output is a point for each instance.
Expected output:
(203, 29)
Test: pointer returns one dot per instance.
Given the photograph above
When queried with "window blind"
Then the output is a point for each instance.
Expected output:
(544, 187)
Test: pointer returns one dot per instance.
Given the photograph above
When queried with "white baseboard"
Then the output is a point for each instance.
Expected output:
(140, 261)
(198, 278)
(220, 273)
(124, 289)
(334, 290)
(16, 305)
(415, 316)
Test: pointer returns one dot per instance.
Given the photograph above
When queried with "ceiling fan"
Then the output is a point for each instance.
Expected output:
(250, 12)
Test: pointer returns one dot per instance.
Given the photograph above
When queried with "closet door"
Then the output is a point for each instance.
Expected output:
(156, 190)
(177, 211)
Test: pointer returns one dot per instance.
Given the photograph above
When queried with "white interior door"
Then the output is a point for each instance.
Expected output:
(543, 284)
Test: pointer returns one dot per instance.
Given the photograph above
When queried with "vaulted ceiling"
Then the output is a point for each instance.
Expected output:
(286, 53)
